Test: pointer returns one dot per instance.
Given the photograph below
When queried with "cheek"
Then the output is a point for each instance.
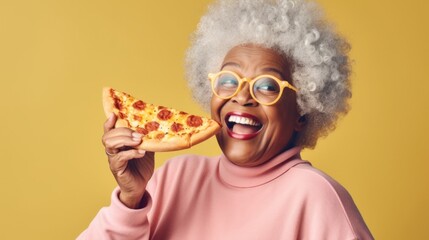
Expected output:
(284, 115)
(280, 130)
(215, 107)
(278, 121)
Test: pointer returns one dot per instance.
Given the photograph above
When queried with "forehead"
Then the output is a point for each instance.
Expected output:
(255, 58)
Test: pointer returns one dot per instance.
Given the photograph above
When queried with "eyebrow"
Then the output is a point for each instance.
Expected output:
(270, 69)
(230, 64)
(267, 69)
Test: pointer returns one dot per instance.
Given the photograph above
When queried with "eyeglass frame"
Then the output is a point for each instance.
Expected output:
(251, 81)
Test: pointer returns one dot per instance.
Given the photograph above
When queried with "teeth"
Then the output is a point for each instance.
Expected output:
(243, 120)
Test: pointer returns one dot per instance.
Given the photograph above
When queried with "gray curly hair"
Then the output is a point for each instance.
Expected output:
(294, 28)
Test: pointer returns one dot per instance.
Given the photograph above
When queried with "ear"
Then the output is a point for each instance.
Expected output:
(300, 123)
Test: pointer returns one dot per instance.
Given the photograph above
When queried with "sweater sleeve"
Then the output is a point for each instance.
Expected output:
(119, 222)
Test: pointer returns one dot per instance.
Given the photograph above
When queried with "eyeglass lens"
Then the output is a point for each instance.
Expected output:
(265, 90)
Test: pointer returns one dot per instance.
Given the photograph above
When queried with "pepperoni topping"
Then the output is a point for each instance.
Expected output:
(138, 118)
(176, 127)
(142, 130)
(160, 136)
(122, 115)
(194, 121)
(165, 114)
(152, 126)
(139, 105)
(118, 103)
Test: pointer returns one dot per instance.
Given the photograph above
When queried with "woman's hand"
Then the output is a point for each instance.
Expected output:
(132, 168)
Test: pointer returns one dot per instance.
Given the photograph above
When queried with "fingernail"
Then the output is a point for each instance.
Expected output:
(141, 151)
(137, 135)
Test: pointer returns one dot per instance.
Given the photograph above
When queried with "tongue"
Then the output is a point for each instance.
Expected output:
(244, 129)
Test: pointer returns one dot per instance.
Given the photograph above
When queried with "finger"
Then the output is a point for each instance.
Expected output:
(120, 132)
(117, 132)
(114, 144)
(119, 162)
(110, 122)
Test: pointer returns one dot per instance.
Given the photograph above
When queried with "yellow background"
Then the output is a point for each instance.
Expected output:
(55, 56)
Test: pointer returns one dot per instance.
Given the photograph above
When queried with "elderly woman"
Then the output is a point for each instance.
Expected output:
(277, 77)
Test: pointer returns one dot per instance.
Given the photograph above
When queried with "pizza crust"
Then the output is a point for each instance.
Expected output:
(171, 144)
(178, 143)
(204, 135)
(108, 102)
(108, 106)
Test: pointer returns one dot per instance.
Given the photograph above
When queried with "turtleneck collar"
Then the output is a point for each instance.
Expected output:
(246, 177)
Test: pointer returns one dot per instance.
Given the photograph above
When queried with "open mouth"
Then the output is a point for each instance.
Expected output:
(242, 125)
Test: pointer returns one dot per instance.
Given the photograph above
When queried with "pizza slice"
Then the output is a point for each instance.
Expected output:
(164, 129)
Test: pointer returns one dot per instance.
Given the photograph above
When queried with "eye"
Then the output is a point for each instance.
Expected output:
(266, 86)
(227, 81)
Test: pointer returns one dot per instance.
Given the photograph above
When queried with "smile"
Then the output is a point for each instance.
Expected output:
(242, 126)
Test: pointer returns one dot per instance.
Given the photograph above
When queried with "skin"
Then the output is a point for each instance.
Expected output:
(280, 120)
(133, 168)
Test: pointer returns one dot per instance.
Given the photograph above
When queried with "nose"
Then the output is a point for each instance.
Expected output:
(243, 97)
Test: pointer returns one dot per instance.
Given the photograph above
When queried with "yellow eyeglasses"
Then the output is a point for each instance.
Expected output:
(265, 89)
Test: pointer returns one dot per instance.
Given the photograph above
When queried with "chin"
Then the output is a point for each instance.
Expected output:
(238, 160)
(242, 158)
(240, 152)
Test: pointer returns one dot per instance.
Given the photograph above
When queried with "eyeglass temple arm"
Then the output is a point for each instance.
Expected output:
(288, 85)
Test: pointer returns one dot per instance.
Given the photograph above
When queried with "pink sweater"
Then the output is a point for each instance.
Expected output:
(200, 198)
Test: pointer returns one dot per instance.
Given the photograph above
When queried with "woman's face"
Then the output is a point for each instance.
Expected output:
(247, 145)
